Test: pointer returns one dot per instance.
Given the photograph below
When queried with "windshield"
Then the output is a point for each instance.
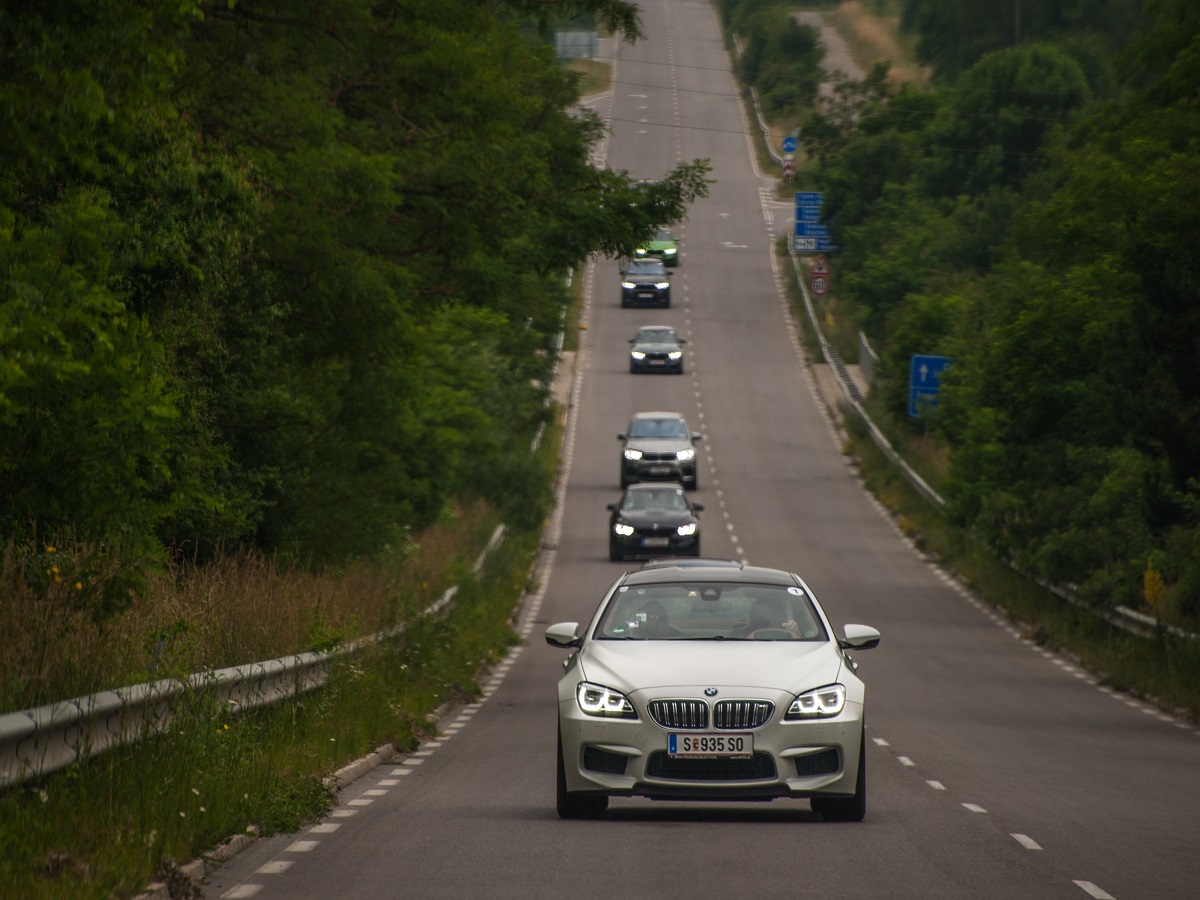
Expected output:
(655, 500)
(664, 235)
(646, 267)
(711, 611)
(656, 336)
(658, 428)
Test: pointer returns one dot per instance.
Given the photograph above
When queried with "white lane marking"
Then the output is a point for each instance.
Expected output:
(362, 801)
(881, 742)
(974, 807)
(344, 813)
(936, 785)
(905, 761)
(413, 762)
(402, 772)
(324, 828)
(1092, 891)
(389, 782)
(375, 793)
(242, 891)
(303, 846)
(1027, 842)
(278, 867)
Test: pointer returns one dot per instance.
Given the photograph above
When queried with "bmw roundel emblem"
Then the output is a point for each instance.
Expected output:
(710, 692)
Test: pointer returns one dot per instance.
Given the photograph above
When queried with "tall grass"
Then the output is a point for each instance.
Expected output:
(238, 609)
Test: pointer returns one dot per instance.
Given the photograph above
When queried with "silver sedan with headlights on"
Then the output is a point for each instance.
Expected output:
(707, 683)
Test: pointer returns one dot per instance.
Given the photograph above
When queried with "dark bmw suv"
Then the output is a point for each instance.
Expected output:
(644, 282)
(659, 447)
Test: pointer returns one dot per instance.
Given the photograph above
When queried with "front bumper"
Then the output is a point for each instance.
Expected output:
(658, 470)
(634, 546)
(645, 296)
(814, 758)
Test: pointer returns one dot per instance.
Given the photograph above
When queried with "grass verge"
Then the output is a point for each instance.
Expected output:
(112, 824)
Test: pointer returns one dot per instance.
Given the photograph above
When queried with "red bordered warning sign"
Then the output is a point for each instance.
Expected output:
(820, 265)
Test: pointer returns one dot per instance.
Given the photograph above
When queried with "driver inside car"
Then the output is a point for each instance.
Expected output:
(770, 614)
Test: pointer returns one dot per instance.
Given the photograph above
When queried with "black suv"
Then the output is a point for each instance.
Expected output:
(658, 446)
(644, 282)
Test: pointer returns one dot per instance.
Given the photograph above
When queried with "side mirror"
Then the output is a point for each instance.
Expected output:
(859, 637)
(697, 437)
(612, 507)
(621, 436)
(564, 634)
(697, 507)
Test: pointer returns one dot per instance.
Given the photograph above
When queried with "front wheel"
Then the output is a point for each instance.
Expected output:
(575, 805)
(847, 809)
(614, 552)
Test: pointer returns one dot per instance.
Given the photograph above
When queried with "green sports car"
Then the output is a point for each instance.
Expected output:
(663, 246)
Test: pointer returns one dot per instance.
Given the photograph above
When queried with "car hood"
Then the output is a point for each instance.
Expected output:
(631, 666)
(658, 444)
(642, 517)
(644, 278)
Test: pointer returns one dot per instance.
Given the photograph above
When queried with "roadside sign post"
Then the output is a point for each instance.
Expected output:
(810, 235)
(924, 382)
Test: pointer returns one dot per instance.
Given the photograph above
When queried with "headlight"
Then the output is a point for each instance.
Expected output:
(633, 454)
(686, 530)
(637, 354)
(818, 704)
(669, 251)
(622, 529)
(674, 355)
(685, 455)
(597, 700)
(662, 285)
(640, 251)
(628, 285)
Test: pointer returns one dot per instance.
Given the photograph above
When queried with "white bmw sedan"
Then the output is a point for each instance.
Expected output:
(706, 681)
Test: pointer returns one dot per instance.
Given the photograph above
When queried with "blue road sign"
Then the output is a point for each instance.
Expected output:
(789, 144)
(808, 198)
(811, 229)
(924, 382)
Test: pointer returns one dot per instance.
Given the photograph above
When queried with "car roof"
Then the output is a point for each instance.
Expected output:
(707, 570)
(656, 328)
(653, 486)
(657, 415)
(691, 563)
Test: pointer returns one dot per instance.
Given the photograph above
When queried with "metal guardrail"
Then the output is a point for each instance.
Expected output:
(40, 741)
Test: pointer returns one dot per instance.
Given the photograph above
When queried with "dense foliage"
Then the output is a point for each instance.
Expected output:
(1032, 220)
(285, 275)
(777, 55)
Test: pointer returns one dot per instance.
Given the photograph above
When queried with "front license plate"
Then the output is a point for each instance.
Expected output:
(655, 542)
(660, 470)
(711, 745)
(658, 362)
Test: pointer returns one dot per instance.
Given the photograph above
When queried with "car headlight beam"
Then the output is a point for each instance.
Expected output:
(686, 530)
(633, 454)
(662, 285)
(820, 703)
(637, 354)
(598, 700)
(686, 455)
(622, 529)
(628, 285)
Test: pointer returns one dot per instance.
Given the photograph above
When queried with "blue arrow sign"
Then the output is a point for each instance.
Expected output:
(924, 382)
(789, 144)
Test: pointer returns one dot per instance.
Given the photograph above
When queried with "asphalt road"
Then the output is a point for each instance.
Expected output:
(996, 770)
